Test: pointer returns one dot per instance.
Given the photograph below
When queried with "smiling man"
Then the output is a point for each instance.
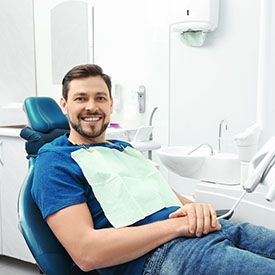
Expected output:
(88, 107)
(114, 212)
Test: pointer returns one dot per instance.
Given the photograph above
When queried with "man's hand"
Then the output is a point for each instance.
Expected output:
(201, 217)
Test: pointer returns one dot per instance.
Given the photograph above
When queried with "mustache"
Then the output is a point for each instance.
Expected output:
(96, 113)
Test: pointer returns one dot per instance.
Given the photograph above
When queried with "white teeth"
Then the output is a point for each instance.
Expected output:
(91, 118)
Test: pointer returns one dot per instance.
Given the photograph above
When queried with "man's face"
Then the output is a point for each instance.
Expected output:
(88, 108)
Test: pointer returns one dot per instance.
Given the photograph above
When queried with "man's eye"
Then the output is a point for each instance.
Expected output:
(101, 98)
(79, 99)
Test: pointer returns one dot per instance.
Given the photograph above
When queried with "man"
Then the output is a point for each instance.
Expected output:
(87, 187)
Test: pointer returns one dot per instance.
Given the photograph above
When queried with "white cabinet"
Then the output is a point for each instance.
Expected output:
(14, 167)
(1, 174)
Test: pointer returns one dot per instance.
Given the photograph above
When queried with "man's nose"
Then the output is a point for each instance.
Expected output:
(91, 105)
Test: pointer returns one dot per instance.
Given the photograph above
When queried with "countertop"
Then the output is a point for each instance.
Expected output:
(14, 131)
(11, 131)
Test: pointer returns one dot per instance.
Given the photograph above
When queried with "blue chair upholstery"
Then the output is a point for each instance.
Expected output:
(46, 122)
(44, 114)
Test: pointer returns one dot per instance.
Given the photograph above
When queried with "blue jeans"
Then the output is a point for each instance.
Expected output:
(235, 249)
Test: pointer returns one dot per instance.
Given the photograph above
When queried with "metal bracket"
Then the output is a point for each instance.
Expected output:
(1, 152)
(141, 98)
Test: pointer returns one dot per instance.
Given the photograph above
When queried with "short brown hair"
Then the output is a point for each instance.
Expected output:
(83, 71)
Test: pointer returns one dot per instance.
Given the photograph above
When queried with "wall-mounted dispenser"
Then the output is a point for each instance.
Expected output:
(141, 98)
(117, 97)
(199, 17)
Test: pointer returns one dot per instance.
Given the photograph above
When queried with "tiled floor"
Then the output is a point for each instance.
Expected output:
(10, 266)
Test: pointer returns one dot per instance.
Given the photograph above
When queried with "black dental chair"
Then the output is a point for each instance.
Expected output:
(46, 122)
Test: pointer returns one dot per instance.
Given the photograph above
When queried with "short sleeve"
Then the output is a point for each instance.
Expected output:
(56, 183)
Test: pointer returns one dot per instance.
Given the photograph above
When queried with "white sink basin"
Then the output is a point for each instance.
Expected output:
(220, 168)
(176, 159)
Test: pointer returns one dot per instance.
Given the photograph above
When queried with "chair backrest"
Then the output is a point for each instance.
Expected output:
(50, 256)
(47, 122)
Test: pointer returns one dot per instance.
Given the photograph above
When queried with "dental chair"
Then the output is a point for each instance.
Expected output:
(46, 122)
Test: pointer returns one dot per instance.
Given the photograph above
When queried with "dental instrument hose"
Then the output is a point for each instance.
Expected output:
(233, 207)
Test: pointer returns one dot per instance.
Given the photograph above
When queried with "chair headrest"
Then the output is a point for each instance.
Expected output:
(44, 114)
(35, 140)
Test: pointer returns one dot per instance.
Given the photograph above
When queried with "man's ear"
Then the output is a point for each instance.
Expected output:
(112, 105)
(63, 105)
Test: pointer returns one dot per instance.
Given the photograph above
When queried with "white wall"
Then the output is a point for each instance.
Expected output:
(207, 84)
(266, 84)
(131, 44)
(216, 81)
(17, 70)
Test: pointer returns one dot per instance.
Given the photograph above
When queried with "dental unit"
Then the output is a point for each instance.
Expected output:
(225, 123)
(224, 179)
(261, 164)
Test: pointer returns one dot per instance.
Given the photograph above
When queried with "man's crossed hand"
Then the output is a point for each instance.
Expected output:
(201, 217)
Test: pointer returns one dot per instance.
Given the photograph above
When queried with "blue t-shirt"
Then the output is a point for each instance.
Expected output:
(59, 183)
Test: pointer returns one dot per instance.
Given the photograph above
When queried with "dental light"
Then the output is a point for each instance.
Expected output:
(261, 166)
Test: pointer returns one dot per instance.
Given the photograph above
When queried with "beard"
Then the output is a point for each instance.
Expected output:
(89, 134)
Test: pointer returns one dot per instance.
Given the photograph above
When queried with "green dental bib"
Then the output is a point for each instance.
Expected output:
(127, 186)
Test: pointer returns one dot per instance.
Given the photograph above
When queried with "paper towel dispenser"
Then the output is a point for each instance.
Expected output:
(198, 18)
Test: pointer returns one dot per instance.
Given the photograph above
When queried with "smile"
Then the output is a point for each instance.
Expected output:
(91, 119)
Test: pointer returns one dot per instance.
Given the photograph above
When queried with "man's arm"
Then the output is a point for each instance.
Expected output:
(95, 248)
